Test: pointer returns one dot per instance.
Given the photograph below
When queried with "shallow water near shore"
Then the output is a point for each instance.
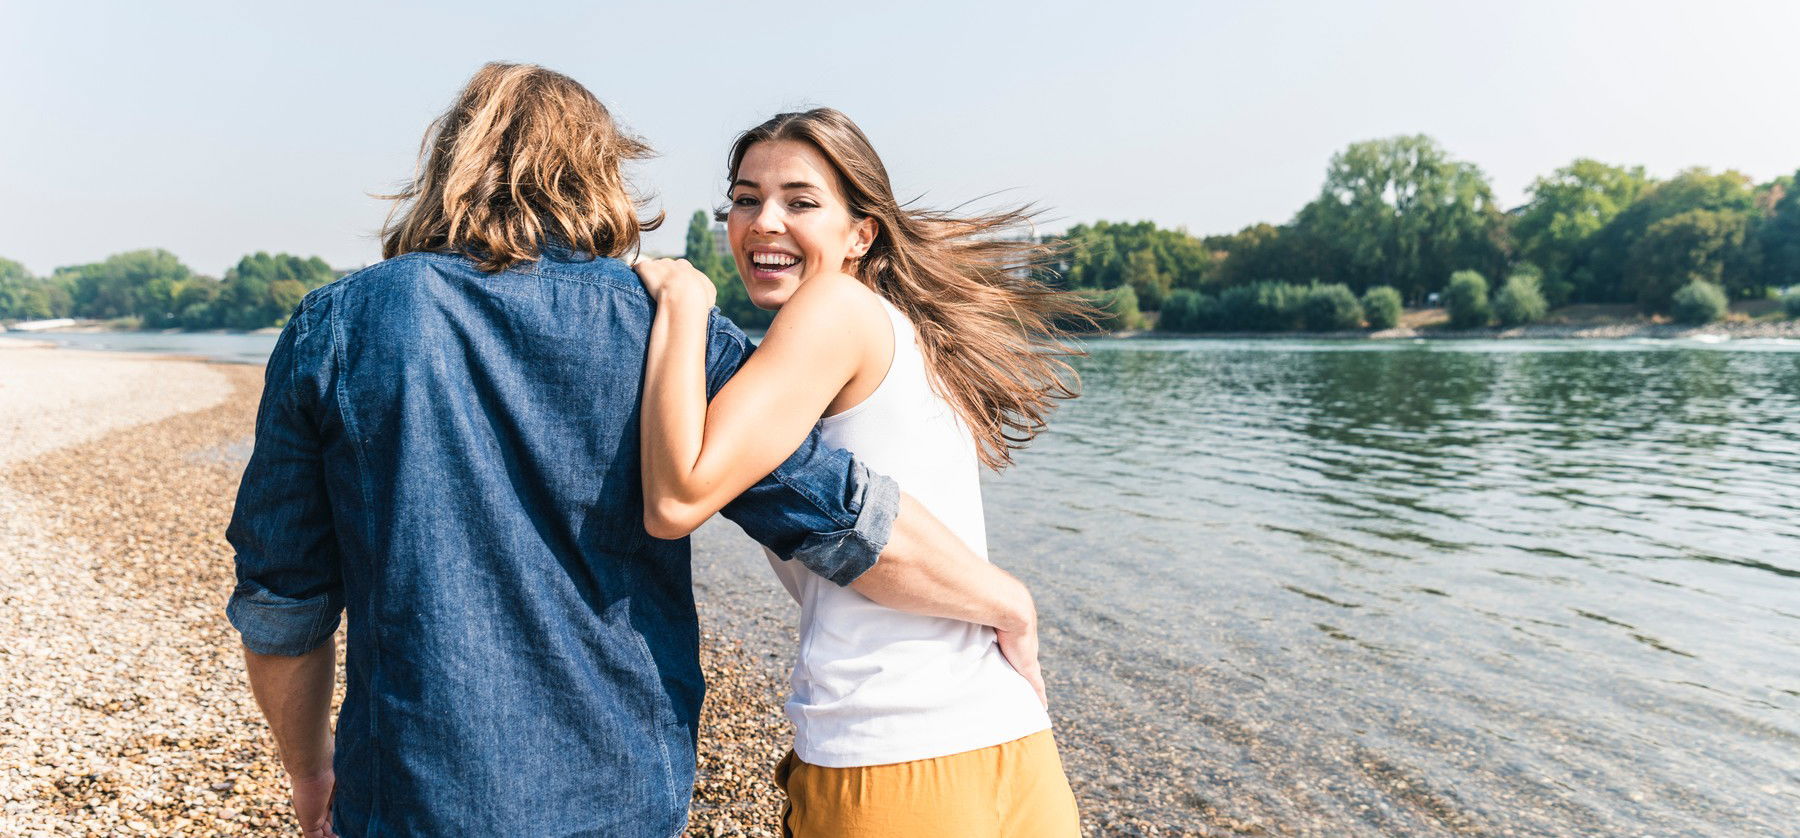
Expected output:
(1374, 588)
(230, 347)
(1455, 587)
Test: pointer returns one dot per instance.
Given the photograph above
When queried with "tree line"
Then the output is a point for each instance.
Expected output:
(152, 289)
(1402, 214)
(1394, 222)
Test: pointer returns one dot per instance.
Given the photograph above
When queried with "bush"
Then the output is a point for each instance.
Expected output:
(1791, 303)
(1520, 301)
(1188, 311)
(1261, 307)
(1699, 302)
(1330, 308)
(1381, 305)
(1466, 298)
(1118, 309)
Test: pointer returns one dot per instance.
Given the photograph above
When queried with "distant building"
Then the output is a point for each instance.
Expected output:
(721, 240)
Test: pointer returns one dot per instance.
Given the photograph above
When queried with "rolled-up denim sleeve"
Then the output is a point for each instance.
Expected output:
(822, 507)
(289, 592)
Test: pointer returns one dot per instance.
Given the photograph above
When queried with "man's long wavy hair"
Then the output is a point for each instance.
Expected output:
(992, 332)
(524, 156)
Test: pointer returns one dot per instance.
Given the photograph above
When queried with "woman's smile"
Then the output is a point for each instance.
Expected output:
(773, 265)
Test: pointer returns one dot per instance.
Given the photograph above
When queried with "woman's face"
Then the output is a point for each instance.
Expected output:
(789, 221)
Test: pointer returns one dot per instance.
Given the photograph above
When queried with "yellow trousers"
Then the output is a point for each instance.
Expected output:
(1012, 790)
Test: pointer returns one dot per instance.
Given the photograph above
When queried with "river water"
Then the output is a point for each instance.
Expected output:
(1379, 588)
(1422, 588)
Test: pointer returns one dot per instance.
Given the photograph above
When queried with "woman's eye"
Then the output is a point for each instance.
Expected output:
(744, 201)
(804, 205)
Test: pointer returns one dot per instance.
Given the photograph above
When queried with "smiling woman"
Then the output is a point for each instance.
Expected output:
(990, 331)
(929, 348)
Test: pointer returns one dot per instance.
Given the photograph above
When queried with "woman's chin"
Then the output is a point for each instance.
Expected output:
(771, 299)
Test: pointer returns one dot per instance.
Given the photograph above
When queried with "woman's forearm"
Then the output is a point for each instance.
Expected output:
(926, 569)
(673, 421)
(699, 455)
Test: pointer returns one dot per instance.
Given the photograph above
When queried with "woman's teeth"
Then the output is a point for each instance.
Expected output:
(773, 260)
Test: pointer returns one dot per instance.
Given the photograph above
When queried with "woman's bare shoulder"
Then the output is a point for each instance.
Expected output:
(837, 298)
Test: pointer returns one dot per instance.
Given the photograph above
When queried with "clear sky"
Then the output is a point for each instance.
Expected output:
(217, 129)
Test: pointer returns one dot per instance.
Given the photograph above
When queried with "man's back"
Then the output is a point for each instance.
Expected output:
(452, 456)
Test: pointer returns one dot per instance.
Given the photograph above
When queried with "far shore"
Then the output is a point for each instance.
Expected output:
(1748, 320)
(1726, 330)
(1579, 322)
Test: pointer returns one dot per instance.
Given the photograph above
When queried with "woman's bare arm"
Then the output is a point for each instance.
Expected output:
(698, 457)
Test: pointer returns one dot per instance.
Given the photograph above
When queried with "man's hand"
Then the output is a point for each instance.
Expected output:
(1021, 650)
(312, 804)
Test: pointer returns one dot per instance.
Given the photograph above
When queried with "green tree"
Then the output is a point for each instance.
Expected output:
(1381, 305)
(1611, 262)
(1099, 256)
(1693, 246)
(1188, 311)
(1150, 284)
(1790, 304)
(16, 284)
(194, 304)
(1118, 309)
(1331, 308)
(124, 285)
(1698, 302)
(1261, 307)
(1265, 251)
(1466, 298)
(1520, 301)
(1555, 227)
(699, 248)
(1779, 236)
(1401, 212)
(262, 289)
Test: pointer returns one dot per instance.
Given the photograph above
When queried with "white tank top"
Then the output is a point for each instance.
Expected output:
(873, 685)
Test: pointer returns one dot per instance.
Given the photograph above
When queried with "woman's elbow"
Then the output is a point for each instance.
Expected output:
(669, 519)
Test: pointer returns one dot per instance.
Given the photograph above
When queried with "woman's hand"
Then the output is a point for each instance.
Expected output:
(1020, 648)
(674, 280)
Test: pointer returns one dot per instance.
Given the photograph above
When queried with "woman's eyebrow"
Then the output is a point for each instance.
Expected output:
(792, 184)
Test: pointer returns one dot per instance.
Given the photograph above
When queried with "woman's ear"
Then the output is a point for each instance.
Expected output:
(862, 236)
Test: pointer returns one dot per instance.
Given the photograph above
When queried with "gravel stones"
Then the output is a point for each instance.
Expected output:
(124, 708)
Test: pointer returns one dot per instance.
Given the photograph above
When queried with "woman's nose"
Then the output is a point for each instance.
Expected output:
(768, 219)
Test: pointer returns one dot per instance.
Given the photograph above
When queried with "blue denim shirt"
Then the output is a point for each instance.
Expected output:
(451, 458)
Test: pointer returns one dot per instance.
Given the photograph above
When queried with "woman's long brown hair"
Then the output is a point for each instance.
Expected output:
(525, 155)
(992, 333)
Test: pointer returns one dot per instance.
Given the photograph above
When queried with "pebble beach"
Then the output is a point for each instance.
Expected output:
(125, 709)
(123, 704)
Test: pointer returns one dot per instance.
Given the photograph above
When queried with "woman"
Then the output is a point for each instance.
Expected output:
(928, 351)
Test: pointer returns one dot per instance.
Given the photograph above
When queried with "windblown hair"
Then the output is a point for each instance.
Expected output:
(993, 334)
(524, 156)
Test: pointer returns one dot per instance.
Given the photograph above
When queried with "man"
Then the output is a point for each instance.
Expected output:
(446, 451)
